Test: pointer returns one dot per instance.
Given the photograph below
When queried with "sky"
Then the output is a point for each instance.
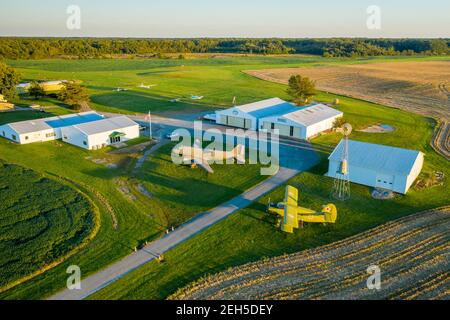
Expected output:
(225, 18)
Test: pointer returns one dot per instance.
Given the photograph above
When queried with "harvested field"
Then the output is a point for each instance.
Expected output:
(420, 87)
(412, 253)
(441, 139)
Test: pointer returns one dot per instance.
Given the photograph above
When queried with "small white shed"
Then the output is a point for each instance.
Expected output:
(378, 166)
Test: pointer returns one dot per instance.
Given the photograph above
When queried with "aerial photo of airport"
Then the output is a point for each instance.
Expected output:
(235, 153)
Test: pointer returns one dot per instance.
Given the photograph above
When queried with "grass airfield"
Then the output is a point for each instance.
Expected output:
(246, 236)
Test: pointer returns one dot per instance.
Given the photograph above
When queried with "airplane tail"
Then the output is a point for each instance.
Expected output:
(239, 153)
(330, 212)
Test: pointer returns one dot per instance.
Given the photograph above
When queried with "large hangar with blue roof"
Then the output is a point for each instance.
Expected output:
(291, 121)
(88, 130)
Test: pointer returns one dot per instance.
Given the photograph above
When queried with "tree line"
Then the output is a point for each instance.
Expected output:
(41, 48)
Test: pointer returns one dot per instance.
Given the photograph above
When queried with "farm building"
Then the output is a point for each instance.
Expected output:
(99, 134)
(378, 166)
(89, 125)
(298, 122)
(302, 122)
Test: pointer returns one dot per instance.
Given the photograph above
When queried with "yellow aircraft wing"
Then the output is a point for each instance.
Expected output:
(291, 197)
(290, 220)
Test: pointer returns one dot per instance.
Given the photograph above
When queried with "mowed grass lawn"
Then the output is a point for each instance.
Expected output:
(179, 192)
(217, 79)
(250, 234)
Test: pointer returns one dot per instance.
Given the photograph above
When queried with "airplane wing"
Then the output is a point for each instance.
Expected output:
(291, 197)
(203, 164)
(290, 220)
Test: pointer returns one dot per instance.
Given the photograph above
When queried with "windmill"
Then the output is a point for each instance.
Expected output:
(341, 188)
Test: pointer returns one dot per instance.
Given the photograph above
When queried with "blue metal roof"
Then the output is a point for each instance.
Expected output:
(385, 159)
(76, 119)
(273, 111)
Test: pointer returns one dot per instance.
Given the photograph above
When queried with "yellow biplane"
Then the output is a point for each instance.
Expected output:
(293, 216)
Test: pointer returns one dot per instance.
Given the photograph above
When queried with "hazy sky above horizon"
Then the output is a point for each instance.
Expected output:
(225, 18)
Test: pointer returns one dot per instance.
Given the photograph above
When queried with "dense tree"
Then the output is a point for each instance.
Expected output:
(439, 47)
(301, 89)
(35, 90)
(9, 79)
(73, 94)
(39, 48)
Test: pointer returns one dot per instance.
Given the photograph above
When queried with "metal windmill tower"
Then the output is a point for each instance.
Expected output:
(341, 188)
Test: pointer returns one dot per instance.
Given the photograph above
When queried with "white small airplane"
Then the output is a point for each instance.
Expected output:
(196, 97)
(199, 157)
(146, 86)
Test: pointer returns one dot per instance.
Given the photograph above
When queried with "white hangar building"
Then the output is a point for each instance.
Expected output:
(248, 115)
(302, 122)
(291, 121)
(378, 166)
(98, 134)
(46, 129)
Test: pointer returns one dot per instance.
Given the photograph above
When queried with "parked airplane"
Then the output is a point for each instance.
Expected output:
(294, 216)
(199, 157)
(146, 86)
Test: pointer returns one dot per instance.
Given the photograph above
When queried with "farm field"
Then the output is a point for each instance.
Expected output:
(421, 87)
(42, 222)
(249, 235)
(338, 271)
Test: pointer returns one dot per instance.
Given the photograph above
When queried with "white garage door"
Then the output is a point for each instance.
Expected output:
(239, 122)
(284, 129)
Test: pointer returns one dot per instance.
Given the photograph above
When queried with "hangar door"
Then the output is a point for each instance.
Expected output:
(238, 122)
(385, 181)
(285, 130)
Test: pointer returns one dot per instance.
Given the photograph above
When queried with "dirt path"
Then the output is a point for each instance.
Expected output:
(413, 255)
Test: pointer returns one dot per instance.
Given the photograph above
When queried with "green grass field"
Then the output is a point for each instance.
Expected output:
(139, 219)
(41, 221)
(217, 79)
(178, 192)
(246, 236)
